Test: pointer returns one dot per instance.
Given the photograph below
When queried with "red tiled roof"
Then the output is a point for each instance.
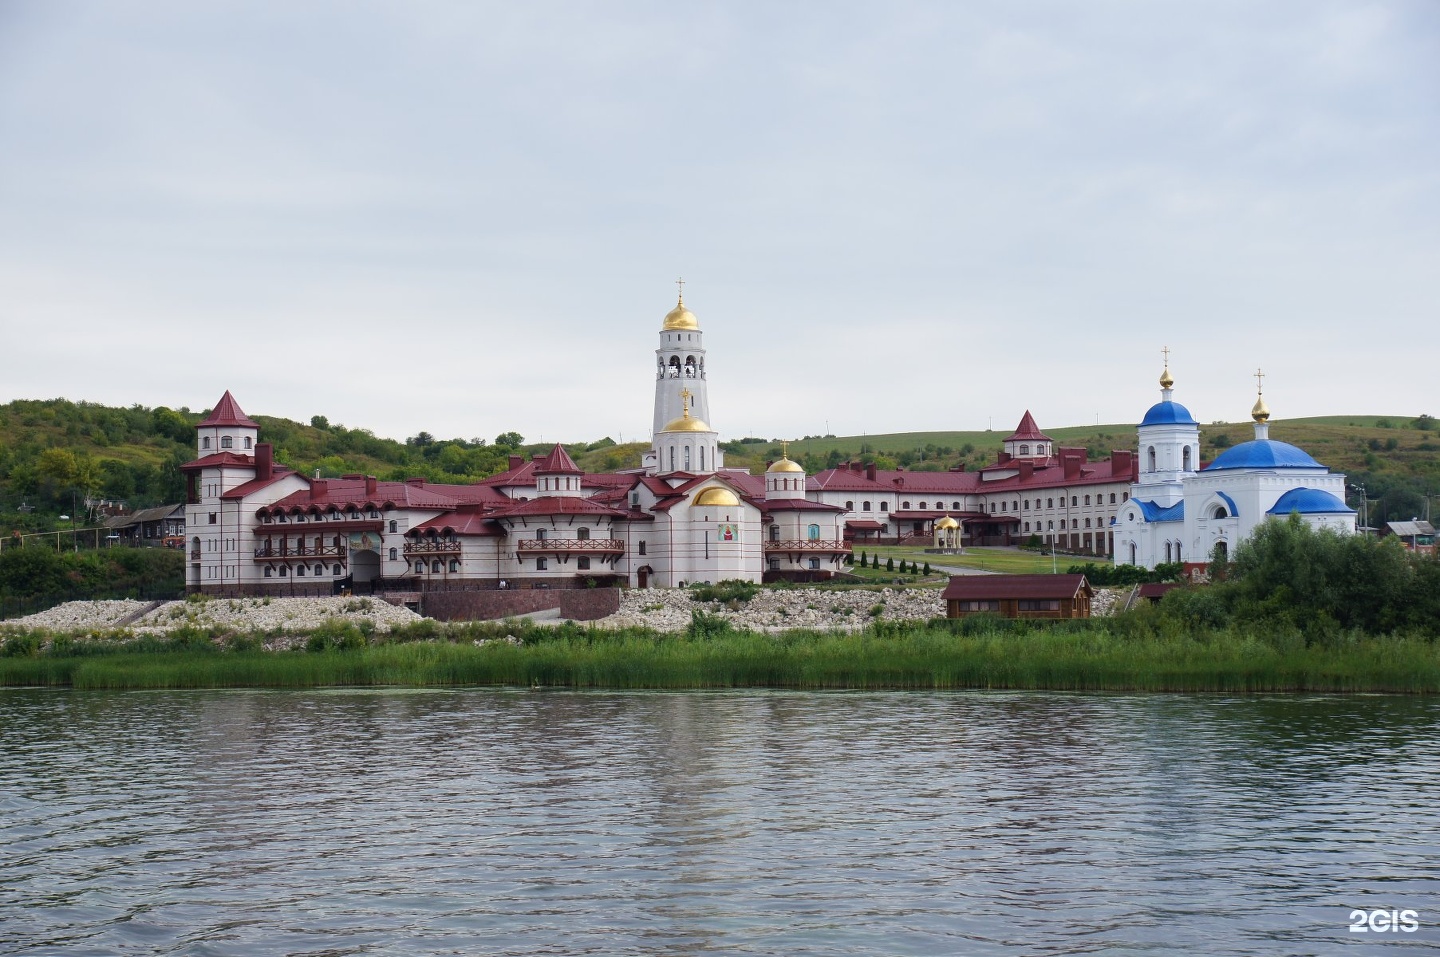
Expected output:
(227, 412)
(558, 461)
(344, 492)
(254, 485)
(1027, 430)
(460, 523)
(982, 587)
(218, 458)
(864, 525)
(797, 505)
(557, 505)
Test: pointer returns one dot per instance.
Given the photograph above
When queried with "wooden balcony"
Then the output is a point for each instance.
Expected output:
(809, 545)
(572, 546)
(433, 546)
(284, 552)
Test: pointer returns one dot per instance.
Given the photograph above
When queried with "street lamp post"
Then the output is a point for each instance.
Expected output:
(1364, 510)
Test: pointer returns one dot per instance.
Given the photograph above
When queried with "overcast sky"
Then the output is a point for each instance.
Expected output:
(468, 217)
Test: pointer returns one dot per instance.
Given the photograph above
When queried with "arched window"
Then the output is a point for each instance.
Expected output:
(1087, 500)
(1049, 503)
(299, 571)
(582, 533)
(205, 442)
(435, 566)
(1167, 552)
(454, 564)
(905, 505)
(1024, 450)
(269, 572)
(687, 458)
(247, 441)
(1112, 498)
(672, 458)
(1132, 554)
(814, 533)
(955, 506)
(1185, 459)
(923, 506)
(394, 554)
(865, 508)
(702, 458)
(419, 567)
(319, 570)
(284, 571)
(1151, 453)
(850, 506)
(884, 506)
(1219, 512)
(774, 533)
(1177, 551)
(1074, 500)
(1027, 526)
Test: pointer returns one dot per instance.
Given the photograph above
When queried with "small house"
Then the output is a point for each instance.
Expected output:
(1417, 536)
(1018, 596)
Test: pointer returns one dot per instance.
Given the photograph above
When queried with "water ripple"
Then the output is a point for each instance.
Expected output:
(516, 822)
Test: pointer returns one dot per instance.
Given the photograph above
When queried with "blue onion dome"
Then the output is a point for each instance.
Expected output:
(1264, 454)
(1168, 413)
(1309, 501)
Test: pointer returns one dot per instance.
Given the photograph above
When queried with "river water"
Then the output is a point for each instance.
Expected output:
(478, 821)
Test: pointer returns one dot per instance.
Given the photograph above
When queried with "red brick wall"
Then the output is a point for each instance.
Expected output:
(582, 604)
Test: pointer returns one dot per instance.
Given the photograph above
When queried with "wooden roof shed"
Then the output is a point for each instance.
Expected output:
(1018, 596)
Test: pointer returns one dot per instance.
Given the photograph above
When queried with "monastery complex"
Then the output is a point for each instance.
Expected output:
(683, 517)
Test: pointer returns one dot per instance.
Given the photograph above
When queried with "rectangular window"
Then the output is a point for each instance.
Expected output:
(212, 518)
(583, 562)
(539, 564)
(642, 548)
(1047, 604)
(980, 606)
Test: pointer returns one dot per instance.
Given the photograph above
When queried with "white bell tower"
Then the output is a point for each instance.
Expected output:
(1169, 446)
(680, 367)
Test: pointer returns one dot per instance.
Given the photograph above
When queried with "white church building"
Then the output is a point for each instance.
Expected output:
(257, 527)
(1179, 511)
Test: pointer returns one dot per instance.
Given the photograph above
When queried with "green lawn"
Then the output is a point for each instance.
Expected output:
(1010, 561)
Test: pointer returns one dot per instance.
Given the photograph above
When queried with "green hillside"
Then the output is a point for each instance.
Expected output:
(55, 454)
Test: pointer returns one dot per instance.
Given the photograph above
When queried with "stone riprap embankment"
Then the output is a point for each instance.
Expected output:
(779, 609)
(242, 614)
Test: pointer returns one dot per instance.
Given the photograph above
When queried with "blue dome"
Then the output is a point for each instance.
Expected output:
(1264, 454)
(1168, 413)
(1309, 501)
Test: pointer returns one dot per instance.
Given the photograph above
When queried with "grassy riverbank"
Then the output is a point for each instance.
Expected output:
(1084, 657)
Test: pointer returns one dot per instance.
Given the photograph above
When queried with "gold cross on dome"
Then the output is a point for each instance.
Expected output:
(1166, 350)
(784, 450)
(1259, 381)
(685, 402)
(680, 285)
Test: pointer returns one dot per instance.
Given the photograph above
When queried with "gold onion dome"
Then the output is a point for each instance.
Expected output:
(680, 317)
(686, 423)
(1166, 380)
(716, 496)
(1261, 411)
(947, 522)
(785, 465)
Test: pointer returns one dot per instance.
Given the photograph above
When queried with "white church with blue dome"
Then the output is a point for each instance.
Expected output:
(1180, 512)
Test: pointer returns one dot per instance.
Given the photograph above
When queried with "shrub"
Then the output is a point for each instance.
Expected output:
(889, 564)
(730, 590)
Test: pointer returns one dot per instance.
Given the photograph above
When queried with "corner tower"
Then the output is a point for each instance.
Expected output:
(680, 367)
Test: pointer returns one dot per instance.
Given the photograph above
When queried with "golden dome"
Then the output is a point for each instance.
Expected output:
(785, 465)
(686, 423)
(947, 522)
(716, 496)
(680, 318)
(1261, 411)
(1166, 381)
